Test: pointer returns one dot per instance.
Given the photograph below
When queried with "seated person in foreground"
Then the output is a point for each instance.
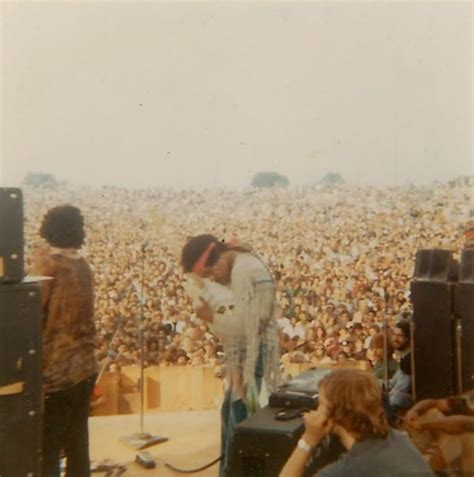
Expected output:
(444, 429)
(350, 406)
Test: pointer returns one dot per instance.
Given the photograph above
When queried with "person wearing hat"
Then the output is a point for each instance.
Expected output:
(248, 332)
(347, 347)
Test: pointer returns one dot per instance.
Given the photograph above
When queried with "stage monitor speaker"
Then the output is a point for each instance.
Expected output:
(433, 344)
(262, 445)
(435, 265)
(464, 311)
(11, 235)
(20, 380)
(466, 266)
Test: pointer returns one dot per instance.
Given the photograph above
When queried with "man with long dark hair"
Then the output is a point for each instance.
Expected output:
(69, 365)
(249, 333)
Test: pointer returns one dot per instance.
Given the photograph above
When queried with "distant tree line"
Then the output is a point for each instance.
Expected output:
(40, 179)
(269, 179)
(274, 179)
(332, 178)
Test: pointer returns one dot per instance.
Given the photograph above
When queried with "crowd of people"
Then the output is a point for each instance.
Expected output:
(342, 258)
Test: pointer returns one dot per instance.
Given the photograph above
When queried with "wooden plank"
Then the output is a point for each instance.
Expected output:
(152, 388)
(181, 388)
(194, 440)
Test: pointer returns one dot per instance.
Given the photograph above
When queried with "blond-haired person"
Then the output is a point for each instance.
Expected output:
(350, 406)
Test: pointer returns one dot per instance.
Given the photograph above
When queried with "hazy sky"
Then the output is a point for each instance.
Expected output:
(210, 93)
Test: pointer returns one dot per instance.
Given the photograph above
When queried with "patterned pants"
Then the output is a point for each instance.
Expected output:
(233, 412)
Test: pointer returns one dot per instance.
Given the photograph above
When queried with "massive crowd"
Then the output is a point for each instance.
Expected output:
(342, 257)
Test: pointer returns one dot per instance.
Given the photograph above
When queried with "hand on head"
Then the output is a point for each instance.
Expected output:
(317, 425)
(204, 312)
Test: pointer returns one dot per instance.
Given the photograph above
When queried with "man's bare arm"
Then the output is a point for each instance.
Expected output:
(450, 424)
(422, 407)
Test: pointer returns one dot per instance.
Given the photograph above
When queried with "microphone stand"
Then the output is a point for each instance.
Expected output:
(142, 439)
(385, 385)
(385, 353)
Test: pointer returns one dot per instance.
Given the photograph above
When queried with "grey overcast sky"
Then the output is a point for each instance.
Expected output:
(208, 94)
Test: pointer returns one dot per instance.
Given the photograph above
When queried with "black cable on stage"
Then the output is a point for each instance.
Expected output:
(191, 471)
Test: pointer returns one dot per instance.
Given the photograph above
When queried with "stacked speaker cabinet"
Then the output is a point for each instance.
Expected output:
(11, 235)
(464, 312)
(432, 347)
(20, 350)
(262, 445)
(442, 293)
(435, 265)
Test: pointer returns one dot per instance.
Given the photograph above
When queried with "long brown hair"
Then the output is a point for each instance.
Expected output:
(378, 340)
(195, 246)
(355, 398)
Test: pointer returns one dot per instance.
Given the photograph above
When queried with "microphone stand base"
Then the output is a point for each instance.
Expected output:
(142, 440)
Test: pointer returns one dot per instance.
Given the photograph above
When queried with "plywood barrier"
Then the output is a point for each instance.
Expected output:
(293, 369)
(129, 397)
(152, 388)
(182, 388)
(129, 403)
(213, 389)
(363, 365)
(106, 395)
(175, 388)
(130, 375)
(167, 388)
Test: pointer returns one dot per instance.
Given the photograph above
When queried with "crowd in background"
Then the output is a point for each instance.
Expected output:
(342, 258)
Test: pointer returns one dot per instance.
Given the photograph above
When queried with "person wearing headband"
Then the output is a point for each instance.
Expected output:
(249, 333)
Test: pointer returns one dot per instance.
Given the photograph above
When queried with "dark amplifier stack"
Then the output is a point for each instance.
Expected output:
(20, 348)
(442, 293)
(264, 442)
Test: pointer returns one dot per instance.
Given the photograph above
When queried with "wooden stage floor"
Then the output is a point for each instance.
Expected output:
(194, 441)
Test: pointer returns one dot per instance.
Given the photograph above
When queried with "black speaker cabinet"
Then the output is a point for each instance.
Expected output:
(464, 310)
(263, 444)
(433, 346)
(11, 235)
(466, 267)
(435, 265)
(20, 380)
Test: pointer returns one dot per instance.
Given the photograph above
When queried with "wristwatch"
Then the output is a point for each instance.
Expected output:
(303, 445)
